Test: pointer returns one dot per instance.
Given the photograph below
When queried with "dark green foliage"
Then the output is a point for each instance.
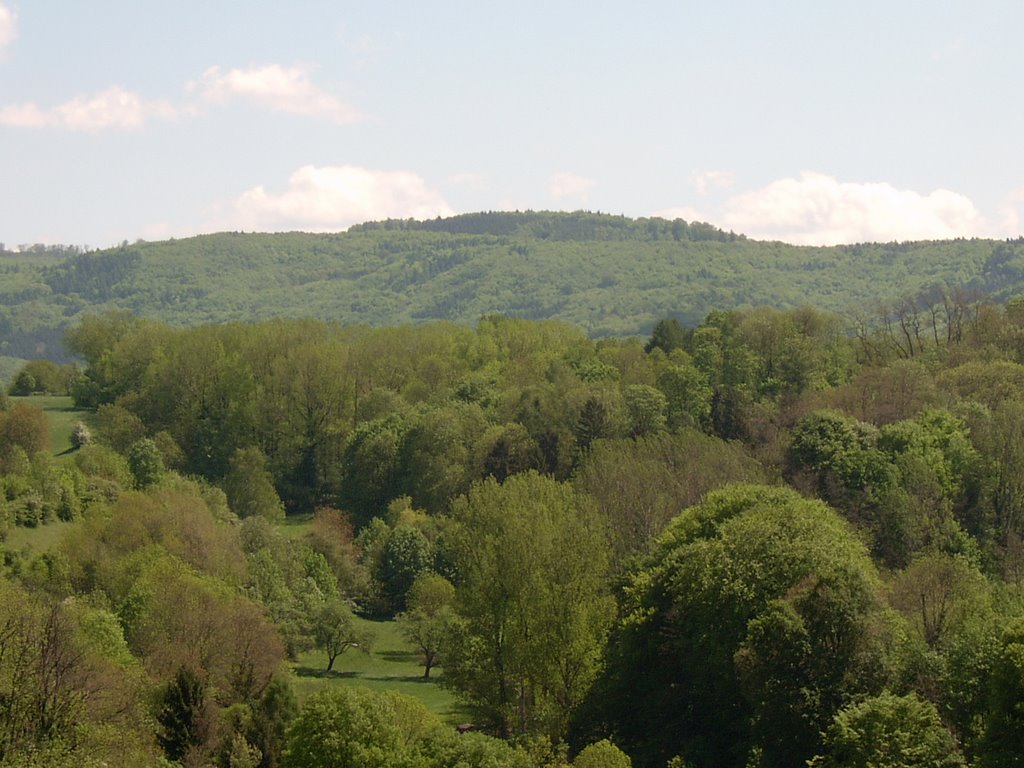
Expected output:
(1003, 742)
(668, 335)
(593, 423)
(43, 377)
(371, 467)
(640, 485)
(406, 554)
(756, 618)
(24, 384)
(182, 716)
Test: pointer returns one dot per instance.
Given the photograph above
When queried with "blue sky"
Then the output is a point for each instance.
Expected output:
(809, 122)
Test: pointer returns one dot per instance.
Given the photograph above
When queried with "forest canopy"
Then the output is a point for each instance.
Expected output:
(744, 542)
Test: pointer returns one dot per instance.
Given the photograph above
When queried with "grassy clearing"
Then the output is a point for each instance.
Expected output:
(34, 541)
(62, 415)
(390, 666)
(296, 526)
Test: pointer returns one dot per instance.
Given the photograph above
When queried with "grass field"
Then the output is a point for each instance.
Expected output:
(391, 665)
(35, 540)
(62, 416)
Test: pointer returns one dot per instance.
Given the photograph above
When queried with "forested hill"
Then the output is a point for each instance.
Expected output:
(610, 275)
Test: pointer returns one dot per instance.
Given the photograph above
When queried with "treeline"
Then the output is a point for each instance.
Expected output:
(609, 275)
(757, 541)
(548, 225)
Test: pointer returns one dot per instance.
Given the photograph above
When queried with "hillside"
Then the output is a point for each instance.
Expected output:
(607, 274)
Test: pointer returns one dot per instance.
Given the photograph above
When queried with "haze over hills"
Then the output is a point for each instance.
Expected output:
(610, 275)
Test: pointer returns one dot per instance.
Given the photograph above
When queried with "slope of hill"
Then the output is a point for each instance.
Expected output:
(608, 274)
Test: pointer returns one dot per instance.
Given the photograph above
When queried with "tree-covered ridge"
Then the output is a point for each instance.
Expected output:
(609, 275)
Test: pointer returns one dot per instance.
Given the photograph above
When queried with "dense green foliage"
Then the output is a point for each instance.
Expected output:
(765, 611)
(755, 541)
(607, 274)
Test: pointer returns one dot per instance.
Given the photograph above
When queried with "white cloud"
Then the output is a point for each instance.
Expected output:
(816, 209)
(705, 181)
(685, 213)
(273, 87)
(113, 108)
(1011, 208)
(570, 185)
(8, 28)
(332, 198)
(475, 181)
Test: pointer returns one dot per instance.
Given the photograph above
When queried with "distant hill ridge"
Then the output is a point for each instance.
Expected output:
(610, 275)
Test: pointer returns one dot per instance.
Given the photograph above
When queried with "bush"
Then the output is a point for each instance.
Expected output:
(80, 435)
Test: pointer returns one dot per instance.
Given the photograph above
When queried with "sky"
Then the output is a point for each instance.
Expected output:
(810, 122)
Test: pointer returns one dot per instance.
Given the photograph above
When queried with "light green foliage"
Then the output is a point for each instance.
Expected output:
(941, 596)
(602, 754)
(889, 731)
(429, 617)
(100, 463)
(289, 578)
(171, 519)
(688, 396)
(250, 487)
(335, 630)
(531, 560)
(990, 382)
(359, 728)
(648, 410)
(146, 463)
(999, 435)
(67, 697)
